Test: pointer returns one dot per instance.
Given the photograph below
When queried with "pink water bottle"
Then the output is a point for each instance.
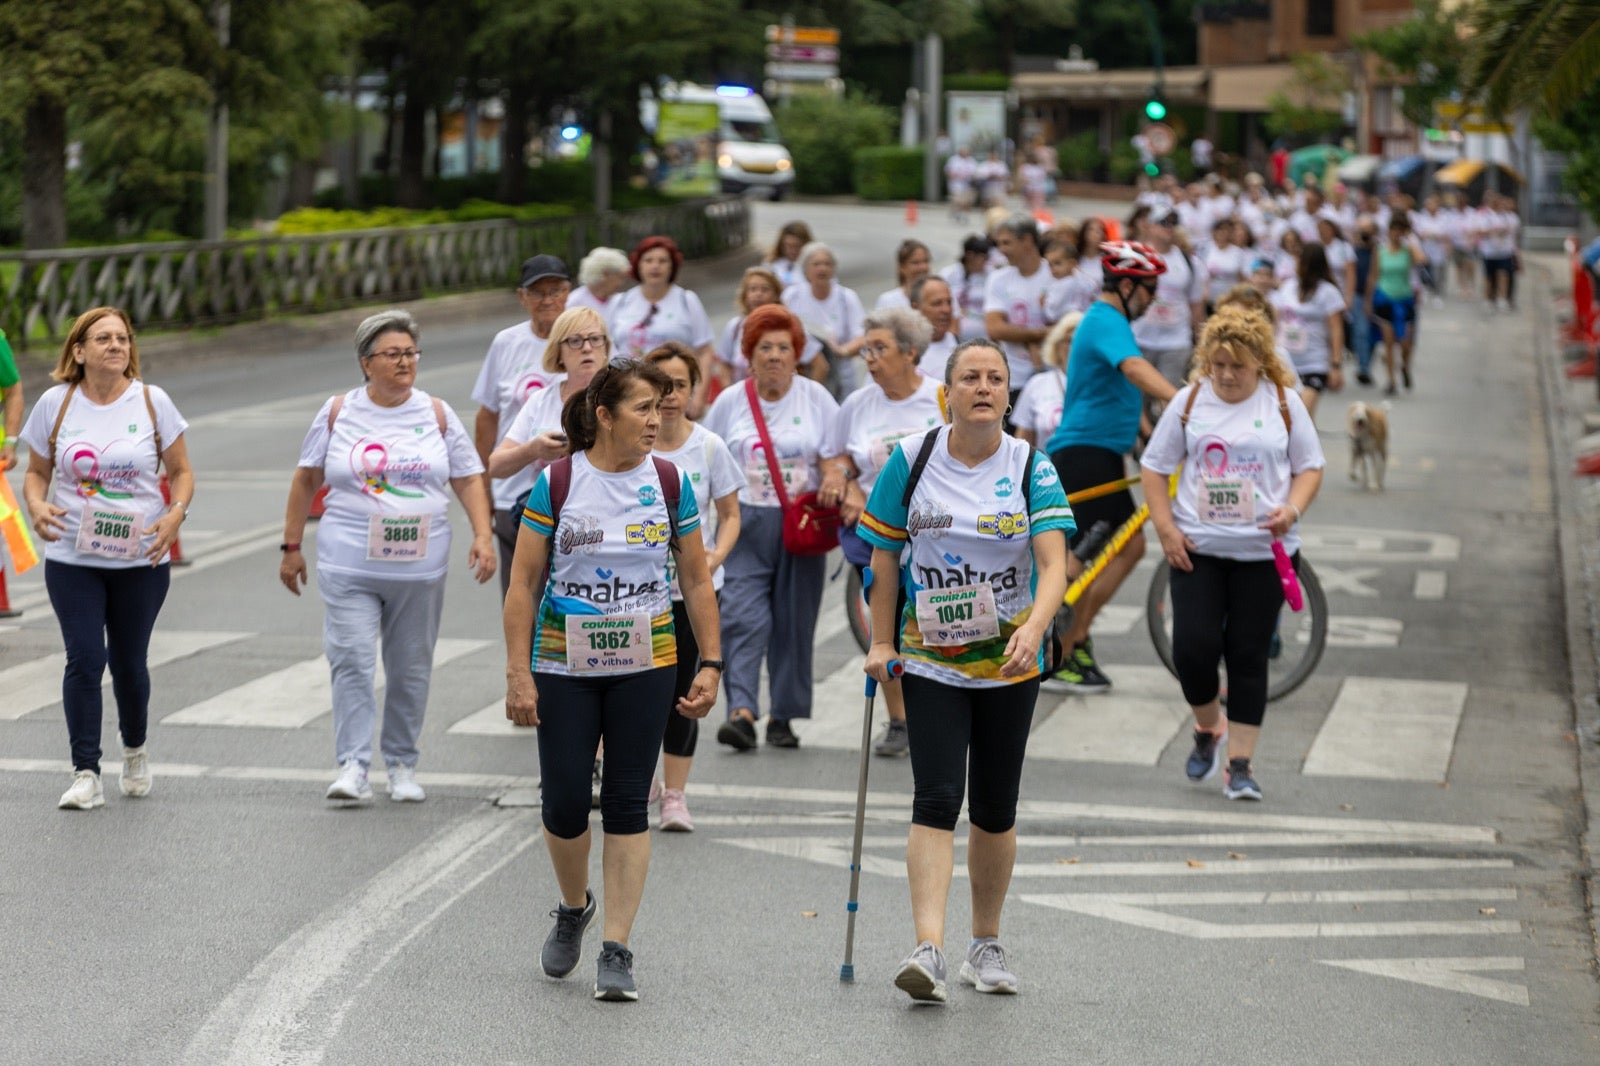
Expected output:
(1287, 576)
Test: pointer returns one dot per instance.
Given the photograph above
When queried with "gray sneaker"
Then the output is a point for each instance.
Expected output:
(564, 946)
(922, 975)
(613, 979)
(893, 741)
(985, 968)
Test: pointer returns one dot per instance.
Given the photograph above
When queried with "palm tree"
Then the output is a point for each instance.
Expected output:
(1540, 54)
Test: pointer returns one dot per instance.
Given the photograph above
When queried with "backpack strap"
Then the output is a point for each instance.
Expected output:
(333, 411)
(438, 416)
(560, 484)
(671, 493)
(1283, 405)
(155, 427)
(338, 405)
(924, 453)
(55, 430)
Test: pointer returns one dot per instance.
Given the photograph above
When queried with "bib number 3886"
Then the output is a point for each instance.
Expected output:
(107, 532)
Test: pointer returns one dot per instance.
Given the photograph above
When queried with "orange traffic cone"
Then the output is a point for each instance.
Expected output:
(6, 610)
(911, 212)
(175, 553)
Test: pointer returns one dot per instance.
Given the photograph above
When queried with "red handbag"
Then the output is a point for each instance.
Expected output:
(808, 527)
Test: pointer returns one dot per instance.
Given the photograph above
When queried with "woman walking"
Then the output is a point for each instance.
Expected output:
(387, 451)
(1251, 465)
(716, 480)
(596, 660)
(971, 640)
(1392, 300)
(93, 495)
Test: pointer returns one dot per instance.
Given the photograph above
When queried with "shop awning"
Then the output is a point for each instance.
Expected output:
(1464, 171)
(1182, 85)
(1246, 88)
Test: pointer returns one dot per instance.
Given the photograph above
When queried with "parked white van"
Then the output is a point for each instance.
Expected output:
(750, 153)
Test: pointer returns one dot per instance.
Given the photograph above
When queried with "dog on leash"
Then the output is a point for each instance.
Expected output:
(1368, 426)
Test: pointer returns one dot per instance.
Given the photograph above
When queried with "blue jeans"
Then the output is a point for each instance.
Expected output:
(1360, 329)
(106, 617)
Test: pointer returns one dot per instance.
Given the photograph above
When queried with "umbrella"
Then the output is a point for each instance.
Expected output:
(1473, 178)
(1408, 173)
(1359, 170)
(1316, 158)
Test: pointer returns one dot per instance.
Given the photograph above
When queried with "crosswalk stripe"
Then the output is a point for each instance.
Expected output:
(1389, 728)
(1133, 723)
(491, 721)
(293, 696)
(29, 686)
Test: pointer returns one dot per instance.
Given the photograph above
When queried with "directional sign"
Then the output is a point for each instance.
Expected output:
(803, 53)
(802, 71)
(803, 34)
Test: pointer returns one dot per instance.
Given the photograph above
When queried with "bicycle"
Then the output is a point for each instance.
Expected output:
(1298, 642)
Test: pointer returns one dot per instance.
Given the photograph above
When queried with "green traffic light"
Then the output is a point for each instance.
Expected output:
(1152, 170)
(1155, 110)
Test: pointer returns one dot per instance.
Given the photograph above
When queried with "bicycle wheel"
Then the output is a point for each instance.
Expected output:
(856, 610)
(1300, 640)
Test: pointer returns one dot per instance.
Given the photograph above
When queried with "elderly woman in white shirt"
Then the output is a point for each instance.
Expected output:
(602, 274)
(831, 313)
(387, 452)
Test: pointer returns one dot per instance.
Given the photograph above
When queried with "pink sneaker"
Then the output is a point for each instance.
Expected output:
(675, 812)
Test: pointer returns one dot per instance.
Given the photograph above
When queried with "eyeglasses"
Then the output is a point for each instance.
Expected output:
(591, 340)
(103, 339)
(877, 351)
(394, 355)
(544, 295)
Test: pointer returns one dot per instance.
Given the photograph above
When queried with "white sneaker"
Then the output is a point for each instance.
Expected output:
(403, 787)
(135, 779)
(85, 794)
(351, 784)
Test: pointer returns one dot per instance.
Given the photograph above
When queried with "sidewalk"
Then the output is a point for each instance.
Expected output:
(1572, 407)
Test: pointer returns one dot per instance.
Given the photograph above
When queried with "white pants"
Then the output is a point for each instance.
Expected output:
(405, 614)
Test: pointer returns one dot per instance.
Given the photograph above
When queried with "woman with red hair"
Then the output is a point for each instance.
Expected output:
(658, 310)
(771, 597)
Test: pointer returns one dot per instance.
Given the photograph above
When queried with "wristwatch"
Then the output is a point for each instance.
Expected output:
(715, 664)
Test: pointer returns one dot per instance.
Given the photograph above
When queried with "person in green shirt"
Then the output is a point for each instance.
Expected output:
(11, 419)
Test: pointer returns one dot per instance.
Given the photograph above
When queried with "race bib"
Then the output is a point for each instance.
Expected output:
(958, 616)
(1163, 314)
(397, 538)
(609, 644)
(1294, 337)
(1227, 501)
(795, 474)
(108, 532)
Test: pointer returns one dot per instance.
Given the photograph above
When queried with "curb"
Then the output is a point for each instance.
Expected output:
(1578, 541)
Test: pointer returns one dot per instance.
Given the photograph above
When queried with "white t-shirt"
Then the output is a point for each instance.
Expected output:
(1303, 324)
(512, 371)
(1232, 441)
(798, 425)
(1498, 234)
(1039, 407)
(1305, 224)
(105, 462)
(895, 297)
(731, 351)
(541, 414)
(1169, 323)
(389, 462)
(1225, 268)
(837, 318)
(959, 171)
(678, 317)
(1340, 255)
(1021, 300)
(787, 271)
(1033, 178)
(1195, 218)
(582, 297)
(967, 291)
(936, 357)
(609, 549)
(868, 425)
(1075, 292)
(712, 474)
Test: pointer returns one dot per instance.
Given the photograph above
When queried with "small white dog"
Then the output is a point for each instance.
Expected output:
(1369, 442)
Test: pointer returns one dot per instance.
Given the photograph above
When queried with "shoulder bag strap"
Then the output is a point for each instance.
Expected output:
(55, 430)
(155, 427)
(766, 443)
(560, 484)
(929, 439)
(333, 412)
(1194, 392)
(438, 414)
(1283, 408)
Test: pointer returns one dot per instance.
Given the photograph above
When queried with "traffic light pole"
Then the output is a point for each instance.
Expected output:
(1157, 56)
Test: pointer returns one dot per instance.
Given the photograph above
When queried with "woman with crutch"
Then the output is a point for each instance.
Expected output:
(970, 640)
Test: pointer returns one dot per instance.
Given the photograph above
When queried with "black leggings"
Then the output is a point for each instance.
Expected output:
(950, 728)
(630, 712)
(1226, 610)
(682, 732)
(106, 616)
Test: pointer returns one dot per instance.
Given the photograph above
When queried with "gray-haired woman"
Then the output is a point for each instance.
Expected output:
(601, 275)
(386, 450)
(897, 402)
(830, 313)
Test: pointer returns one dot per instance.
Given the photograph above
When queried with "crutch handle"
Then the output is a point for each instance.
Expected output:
(896, 668)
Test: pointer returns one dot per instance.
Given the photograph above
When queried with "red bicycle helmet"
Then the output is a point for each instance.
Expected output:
(1130, 259)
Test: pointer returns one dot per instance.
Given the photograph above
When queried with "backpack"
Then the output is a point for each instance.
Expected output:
(671, 491)
(438, 413)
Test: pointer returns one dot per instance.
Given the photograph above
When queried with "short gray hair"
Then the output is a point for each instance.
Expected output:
(813, 249)
(1020, 224)
(920, 286)
(374, 326)
(600, 262)
(912, 332)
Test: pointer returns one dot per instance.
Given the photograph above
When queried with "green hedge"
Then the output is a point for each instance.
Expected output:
(889, 173)
(331, 220)
(822, 134)
(1079, 156)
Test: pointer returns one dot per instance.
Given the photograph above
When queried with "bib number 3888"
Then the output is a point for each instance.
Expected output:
(397, 538)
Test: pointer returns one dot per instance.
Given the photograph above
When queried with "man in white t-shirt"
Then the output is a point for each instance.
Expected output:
(1013, 302)
(931, 297)
(1165, 333)
(1303, 219)
(512, 371)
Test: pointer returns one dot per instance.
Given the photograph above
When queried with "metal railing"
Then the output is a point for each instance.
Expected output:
(206, 283)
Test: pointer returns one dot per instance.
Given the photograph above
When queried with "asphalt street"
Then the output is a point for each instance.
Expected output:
(1411, 890)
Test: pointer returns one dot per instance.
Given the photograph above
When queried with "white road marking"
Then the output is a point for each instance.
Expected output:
(1328, 896)
(1116, 619)
(1133, 723)
(1352, 544)
(293, 696)
(1134, 910)
(277, 774)
(29, 686)
(1450, 974)
(1351, 631)
(1351, 582)
(291, 1005)
(1430, 585)
(491, 721)
(1416, 719)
